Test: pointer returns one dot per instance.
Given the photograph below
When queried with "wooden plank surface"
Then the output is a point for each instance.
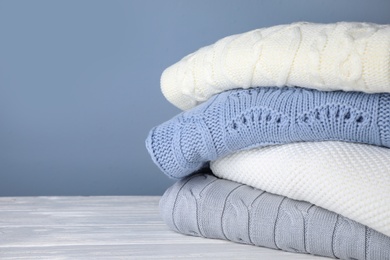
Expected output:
(107, 228)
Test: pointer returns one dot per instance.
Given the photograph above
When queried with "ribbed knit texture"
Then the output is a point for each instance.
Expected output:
(203, 205)
(348, 178)
(341, 56)
(240, 119)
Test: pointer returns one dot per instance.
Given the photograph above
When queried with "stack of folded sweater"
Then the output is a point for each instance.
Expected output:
(284, 141)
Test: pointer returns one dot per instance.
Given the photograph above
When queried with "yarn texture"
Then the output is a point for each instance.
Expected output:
(247, 118)
(205, 206)
(345, 56)
(350, 179)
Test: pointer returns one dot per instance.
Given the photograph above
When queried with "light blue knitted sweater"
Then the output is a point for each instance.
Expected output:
(242, 119)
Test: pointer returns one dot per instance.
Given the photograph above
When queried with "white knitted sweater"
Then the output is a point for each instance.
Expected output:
(347, 178)
(340, 56)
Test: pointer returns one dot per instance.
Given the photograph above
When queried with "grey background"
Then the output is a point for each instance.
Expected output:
(79, 82)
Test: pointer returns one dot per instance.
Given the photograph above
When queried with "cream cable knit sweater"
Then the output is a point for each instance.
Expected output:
(350, 179)
(341, 56)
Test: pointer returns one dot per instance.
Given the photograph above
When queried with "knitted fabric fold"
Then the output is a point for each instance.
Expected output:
(347, 178)
(203, 205)
(345, 56)
(247, 118)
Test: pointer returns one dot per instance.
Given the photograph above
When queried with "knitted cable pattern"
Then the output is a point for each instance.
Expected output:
(347, 178)
(205, 206)
(242, 119)
(340, 56)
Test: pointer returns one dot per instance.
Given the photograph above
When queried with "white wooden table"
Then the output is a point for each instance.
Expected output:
(107, 228)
